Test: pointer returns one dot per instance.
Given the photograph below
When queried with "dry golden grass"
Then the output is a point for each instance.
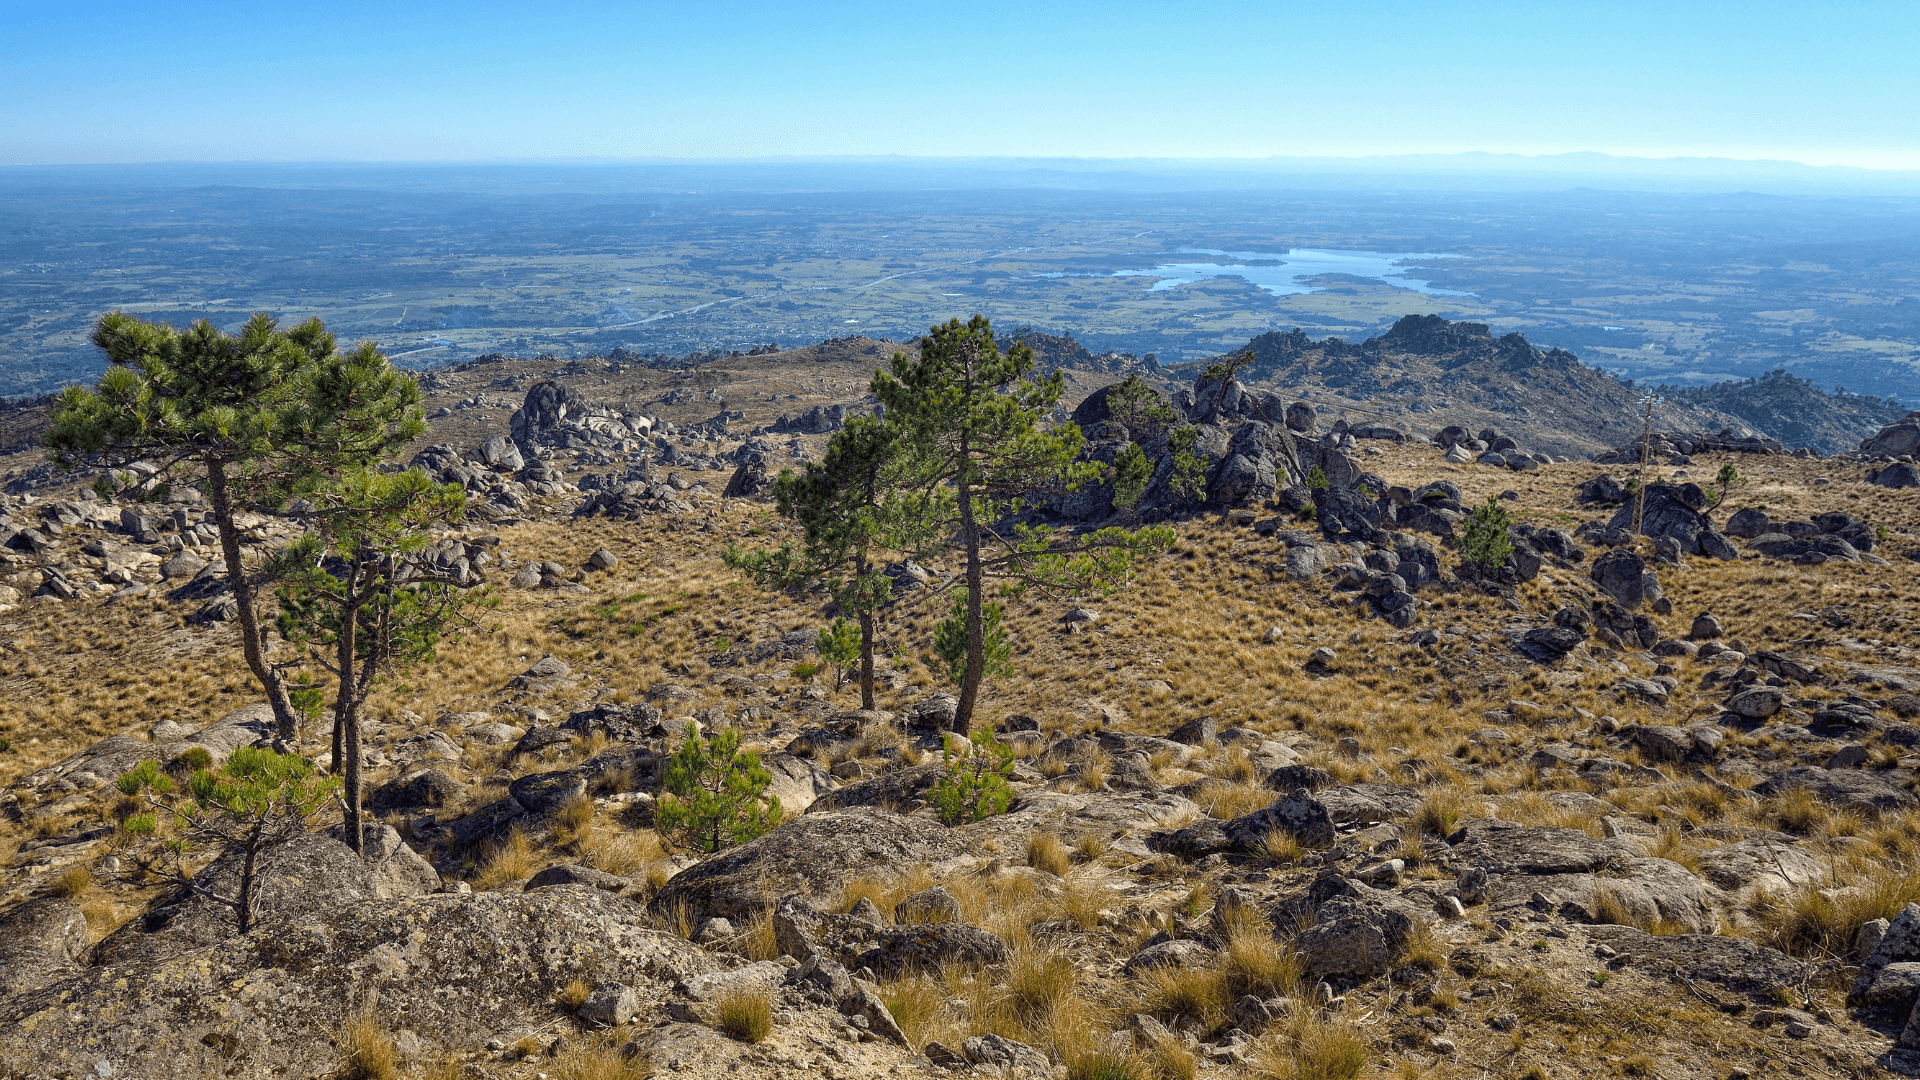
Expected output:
(1197, 993)
(575, 994)
(745, 1013)
(678, 919)
(597, 1057)
(623, 853)
(71, 883)
(510, 860)
(1046, 852)
(369, 1051)
(572, 824)
(1310, 1046)
(1817, 922)
(1255, 962)
(915, 1004)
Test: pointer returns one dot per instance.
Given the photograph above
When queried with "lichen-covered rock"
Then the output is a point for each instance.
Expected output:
(1004, 1057)
(301, 882)
(797, 782)
(1893, 986)
(1643, 892)
(104, 761)
(1843, 788)
(420, 788)
(805, 933)
(1504, 847)
(41, 941)
(1900, 943)
(813, 856)
(449, 970)
(1352, 935)
(927, 906)
(1760, 864)
(894, 789)
(1179, 953)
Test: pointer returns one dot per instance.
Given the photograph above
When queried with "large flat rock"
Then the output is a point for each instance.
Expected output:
(812, 856)
(1506, 847)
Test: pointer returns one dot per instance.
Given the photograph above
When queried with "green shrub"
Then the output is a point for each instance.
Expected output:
(712, 794)
(975, 786)
(1317, 479)
(950, 640)
(1132, 472)
(1483, 537)
(805, 672)
(839, 646)
(1189, 469)
(196, 757)
(1139, 408)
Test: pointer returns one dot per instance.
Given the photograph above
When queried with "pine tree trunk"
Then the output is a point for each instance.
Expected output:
(346, 709)
(976, 581)
(866, 660)
(866, 631)
(252, 638)
(255, 840)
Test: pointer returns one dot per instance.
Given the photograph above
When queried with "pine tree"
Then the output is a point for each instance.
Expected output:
(839, 645)
(355, 596)
(246, 414)
(971, 419)
(257, 800)
(851, 508)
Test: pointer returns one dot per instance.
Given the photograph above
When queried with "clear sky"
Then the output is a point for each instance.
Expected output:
(1823, 83)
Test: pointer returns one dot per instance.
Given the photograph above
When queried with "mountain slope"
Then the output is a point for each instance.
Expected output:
(1427, 372)
(1794, 410)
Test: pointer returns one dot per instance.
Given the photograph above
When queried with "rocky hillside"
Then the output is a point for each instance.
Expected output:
(1062, 351)
(1426, 365)
(1794, 410)
(1316, 799)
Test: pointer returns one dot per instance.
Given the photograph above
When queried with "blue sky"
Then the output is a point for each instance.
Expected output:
(1827, 83)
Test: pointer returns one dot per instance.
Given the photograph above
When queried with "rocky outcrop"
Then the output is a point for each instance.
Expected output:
(41, 942)
(1898, 439)
(555, 415)
(104, 761)
(299, 882)
(449, 973)
(811, 857)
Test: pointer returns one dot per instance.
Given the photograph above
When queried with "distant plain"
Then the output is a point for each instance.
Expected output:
(442, 265)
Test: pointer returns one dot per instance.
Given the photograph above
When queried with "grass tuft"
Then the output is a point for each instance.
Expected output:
(71, 883)
(746, 1014)
(370, 1054)
(1046, 852)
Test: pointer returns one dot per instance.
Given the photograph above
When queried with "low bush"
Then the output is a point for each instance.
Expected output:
(975, 785)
